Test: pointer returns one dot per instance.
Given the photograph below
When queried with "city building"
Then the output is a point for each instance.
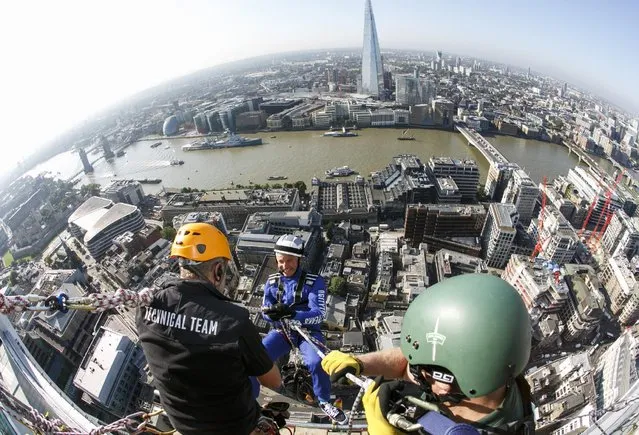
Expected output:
(563, 391)
(617, 368)
(621, 285)
(522, 192)
(451, 263)
(497, 180)
(87, 208)
(129, 191)
(171, 126)
(110, 373)
(464, 172)
(585, 308)
(201, 124)
(282, 222)
(234, 204)
(411, 90)
(389, 329)
(443, 112)
(442, 220)
(58, 341)
(261, 231)
(540, 284)
(372, 67)
(343, 200)
(250, 121)
(447, 191)
(210, 217)
(498, 233)
(590, 188)
(98, 221)
(559, 241)
(253, 248)
(383, 285)
(412, 280)
(622, 235)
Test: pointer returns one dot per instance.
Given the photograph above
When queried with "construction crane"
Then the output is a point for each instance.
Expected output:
(593, 204)
(596, 235)
(583, 227)
(540, 223)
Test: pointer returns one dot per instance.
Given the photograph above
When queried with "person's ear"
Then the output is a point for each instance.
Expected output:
(219, 271)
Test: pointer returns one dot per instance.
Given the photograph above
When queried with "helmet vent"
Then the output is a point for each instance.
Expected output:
(196, 233)
(201, 248)
(472, 391)
(187, 232)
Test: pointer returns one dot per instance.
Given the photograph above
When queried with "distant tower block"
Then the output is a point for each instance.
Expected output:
(88, 168)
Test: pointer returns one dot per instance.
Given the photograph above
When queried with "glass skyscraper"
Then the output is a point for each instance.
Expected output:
(372, 68)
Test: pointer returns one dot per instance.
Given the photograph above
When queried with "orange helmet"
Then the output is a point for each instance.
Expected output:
(200, 242)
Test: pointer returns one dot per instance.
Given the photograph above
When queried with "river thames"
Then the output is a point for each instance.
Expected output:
(301, 155)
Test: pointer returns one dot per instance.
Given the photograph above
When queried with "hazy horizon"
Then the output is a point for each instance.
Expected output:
(71, 59)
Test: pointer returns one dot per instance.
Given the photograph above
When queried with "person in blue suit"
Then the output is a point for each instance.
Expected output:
(300, 297)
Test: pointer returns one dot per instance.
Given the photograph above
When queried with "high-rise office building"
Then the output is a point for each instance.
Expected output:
(201, 124)
(559, 241)
(591, 188)
(621, 284)
(411, 90)
(622, 235)
(522, 192)
(539, 283)
(464, 172)
(372, 68)
(442, 220)
(499, 233)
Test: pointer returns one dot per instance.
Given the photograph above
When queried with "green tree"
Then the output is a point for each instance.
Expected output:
(337, 286)
(277, 186)
(481, 194)
(92, 189)
(168, 233)
(330, 229)
(301, 186)
(13, 277)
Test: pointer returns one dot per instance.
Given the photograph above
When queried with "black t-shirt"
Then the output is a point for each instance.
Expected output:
(201, 350)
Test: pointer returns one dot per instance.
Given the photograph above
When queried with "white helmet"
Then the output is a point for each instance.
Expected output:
(290, 244)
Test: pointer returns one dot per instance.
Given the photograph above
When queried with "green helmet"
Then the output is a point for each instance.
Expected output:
(475, 326)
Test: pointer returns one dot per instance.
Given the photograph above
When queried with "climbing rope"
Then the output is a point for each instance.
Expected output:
(97, 302)
(40, 423)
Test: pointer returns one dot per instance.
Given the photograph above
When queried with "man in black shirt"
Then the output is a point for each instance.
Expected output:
(202, 348)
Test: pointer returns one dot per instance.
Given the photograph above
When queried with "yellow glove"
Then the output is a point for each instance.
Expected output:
(337, 364)
(375, 418)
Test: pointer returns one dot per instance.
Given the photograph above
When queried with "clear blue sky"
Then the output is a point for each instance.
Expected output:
(64, 60)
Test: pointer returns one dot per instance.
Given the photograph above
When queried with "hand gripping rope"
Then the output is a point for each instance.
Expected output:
(395, 419)
(362, 382)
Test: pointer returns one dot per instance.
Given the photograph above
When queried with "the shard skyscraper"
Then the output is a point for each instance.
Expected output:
(372, 68)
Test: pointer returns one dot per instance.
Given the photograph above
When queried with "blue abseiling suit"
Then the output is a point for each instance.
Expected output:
(310, 312)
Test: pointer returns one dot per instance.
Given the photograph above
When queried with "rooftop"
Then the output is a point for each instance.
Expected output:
(114, 214)
(101, 367)
(88, 207)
